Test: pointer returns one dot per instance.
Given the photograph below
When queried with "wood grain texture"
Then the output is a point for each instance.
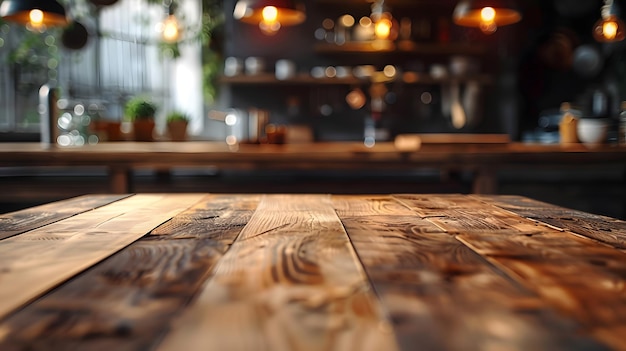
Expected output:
(457, 213)
(439, 293)
(34, 262)
(128, 300)
(18, 222)
(290, 282)
(580, 278)
(605, 229)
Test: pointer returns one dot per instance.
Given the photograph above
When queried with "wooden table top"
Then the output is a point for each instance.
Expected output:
(306, 156)
(310, 272)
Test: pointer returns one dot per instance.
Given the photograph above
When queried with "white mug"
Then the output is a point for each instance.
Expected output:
(254, 65)
(232, 66)
(285, 69)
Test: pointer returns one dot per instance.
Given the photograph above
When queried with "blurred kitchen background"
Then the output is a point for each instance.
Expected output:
(331, 76)
(512, 81)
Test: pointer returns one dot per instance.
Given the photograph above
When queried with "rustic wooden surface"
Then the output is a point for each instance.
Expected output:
(313, 272)
(290, 281)
(36, 261)
(22, 221)
(137, 290)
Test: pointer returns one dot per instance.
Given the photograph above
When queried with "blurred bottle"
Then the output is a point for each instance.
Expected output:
(48, 115)
(568, 125)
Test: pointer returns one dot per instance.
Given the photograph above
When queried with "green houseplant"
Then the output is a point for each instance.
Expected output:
(140, 111)
(177, 125)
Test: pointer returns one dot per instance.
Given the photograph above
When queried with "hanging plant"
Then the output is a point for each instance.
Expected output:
(74, 36)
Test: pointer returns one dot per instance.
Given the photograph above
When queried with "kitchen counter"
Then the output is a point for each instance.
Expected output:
(482, 160)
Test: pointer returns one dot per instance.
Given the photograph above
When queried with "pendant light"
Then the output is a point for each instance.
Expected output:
(37, 14)
(170, 28)
(487, 15)
(609, 28)
(270, 15)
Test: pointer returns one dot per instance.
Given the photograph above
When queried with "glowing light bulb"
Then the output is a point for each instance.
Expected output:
(171, 31)
(382, 28)
(487, 20)
(36, 18)
(609, 30)
(269, 23)
(270, 14)
(488, 14)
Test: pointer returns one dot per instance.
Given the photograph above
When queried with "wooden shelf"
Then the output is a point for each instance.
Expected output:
(391, 3)
(301, 79)
(402, 47)
(305, 79)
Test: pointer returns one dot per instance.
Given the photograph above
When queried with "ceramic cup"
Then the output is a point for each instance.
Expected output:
(592, 131)
(254, 65)
(233, 66)
(285, 69)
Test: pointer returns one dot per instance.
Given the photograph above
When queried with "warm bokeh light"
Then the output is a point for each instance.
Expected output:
(347, 20)
(270, 14)
(487, 20)
(269, 23)
(171, 30)
(365, 21)
(488, 14)
(382, 28)
(36, 18)
(609, 30)
(389, 71)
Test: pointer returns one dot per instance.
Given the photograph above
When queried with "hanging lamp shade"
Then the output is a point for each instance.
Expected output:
(270, 15)
(487, 15)
(35, 12)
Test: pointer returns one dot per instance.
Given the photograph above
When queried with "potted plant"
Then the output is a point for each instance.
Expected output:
(177, 125)
(141, 112)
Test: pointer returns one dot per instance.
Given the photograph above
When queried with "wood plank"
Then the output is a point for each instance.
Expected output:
(18, 222)
(291, 281)
(579, 277)
(462, 214)
(127, 301)
(439, 293)
(34, 262)
(605, 229)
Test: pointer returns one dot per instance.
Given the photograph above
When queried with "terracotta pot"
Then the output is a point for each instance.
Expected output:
(143, 129)
(114, 131)
(177, 130)
(107, 130)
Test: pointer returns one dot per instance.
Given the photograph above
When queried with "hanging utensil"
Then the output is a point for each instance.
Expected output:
(459, 119)
(471, 102)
